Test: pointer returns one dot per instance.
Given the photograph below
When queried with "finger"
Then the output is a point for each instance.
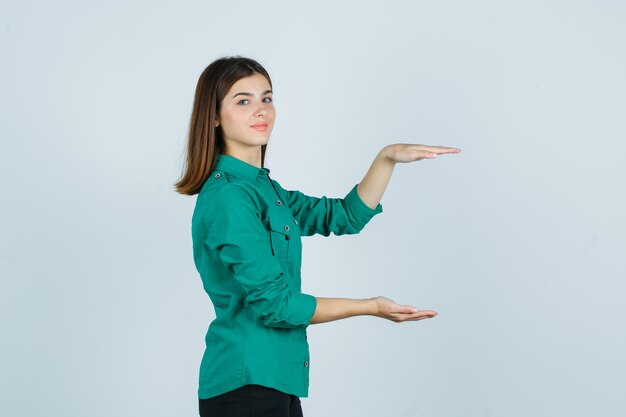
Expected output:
(439, 149)
(406, 309)
(424, 315)
(419, 315)
(416, 318)
(425, 153)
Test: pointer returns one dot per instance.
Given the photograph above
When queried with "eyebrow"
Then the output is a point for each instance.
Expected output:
(251, 95)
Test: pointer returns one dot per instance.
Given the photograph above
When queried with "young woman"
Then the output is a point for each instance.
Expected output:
(246, 232)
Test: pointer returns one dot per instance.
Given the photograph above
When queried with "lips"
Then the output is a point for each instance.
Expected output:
(262, 127)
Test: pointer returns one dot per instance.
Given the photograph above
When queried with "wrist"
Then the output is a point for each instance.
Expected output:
(383, 156)
(371, 306)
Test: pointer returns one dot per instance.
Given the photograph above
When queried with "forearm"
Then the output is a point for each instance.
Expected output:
(330, 309)
(374, 184)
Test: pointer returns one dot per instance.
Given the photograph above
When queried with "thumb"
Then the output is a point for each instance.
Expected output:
(407, 309)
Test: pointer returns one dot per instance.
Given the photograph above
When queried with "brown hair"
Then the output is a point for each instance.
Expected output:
(205, 140)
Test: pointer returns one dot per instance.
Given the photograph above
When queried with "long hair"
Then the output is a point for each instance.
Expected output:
(205, 140)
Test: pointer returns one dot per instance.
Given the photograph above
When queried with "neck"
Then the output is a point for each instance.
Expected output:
(251, 154)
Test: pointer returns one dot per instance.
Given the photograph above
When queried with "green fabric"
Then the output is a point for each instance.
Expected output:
(247, 249)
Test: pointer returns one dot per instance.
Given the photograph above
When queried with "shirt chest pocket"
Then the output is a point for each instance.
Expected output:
(285, 238)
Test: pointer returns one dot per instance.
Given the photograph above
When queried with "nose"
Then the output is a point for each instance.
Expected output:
(261, 111)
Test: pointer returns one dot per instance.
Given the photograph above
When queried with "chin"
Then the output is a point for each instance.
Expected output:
(262, 140)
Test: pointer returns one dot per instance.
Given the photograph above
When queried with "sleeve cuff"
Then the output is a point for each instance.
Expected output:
(358, 210)
(308, 306)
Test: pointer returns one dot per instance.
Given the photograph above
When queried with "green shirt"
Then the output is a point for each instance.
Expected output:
(246, 233)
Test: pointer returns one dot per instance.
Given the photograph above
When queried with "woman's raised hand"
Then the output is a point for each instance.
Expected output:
(409, 152)
(388, 309)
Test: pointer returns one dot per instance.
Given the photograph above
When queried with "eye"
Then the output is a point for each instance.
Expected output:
(269, 99)
(239, 102)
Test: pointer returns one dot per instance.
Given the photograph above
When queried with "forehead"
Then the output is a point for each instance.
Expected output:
(255, 83)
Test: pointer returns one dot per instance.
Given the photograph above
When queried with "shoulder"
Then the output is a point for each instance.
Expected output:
(223, 192)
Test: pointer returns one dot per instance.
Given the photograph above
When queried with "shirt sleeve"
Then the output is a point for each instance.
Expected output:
(324, 215)
(238, 238)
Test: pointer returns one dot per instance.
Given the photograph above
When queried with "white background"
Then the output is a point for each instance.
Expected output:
(518, 242)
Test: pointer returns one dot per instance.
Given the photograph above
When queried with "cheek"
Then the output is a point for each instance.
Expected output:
(231, 123)
(272, 113)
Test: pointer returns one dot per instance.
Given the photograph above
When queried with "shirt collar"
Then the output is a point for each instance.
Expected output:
(239, 168)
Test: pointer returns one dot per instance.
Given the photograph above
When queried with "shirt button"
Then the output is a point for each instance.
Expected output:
(218, 175)
(278, 202)
(286, 228)
(295, 221)
(306, 364)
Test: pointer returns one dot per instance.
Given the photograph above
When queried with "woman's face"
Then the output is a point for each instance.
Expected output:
(247, 113)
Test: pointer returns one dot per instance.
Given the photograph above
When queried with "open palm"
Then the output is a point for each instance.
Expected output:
(409, 152)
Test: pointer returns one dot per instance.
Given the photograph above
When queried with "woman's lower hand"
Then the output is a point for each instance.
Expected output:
(390, 310)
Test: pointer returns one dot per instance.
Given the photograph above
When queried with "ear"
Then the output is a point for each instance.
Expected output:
(216, 122)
